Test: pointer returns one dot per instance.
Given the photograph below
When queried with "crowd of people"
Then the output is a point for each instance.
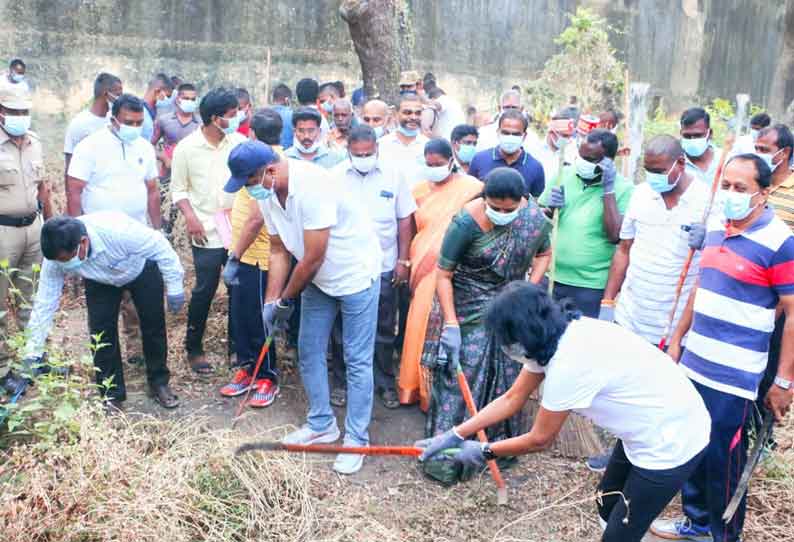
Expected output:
(397, 245)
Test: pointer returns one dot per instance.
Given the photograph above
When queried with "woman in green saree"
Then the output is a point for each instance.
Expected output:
(492, 241)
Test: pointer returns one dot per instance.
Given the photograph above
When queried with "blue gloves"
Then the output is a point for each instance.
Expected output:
(697, 236)
(276, 314)
(607, 312)
(557, 198)
(468, 454)
(439, 443)
(175, 302)
(451, 341)
(230, 271)
(608, 174)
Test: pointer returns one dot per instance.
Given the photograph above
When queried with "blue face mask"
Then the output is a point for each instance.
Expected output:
(164, 102)
(769, 158)
(188, 106)
(585, 170)
(510, 143)
(328, 107)
(233, 124)
(466, 153)
(736, 205)
(16, 125)
(500, 219)
(128, 134)
(695, 147)
(73, 264)
(378, 131)
(660, 182)
(259, 192)
(17, 77)
(407, 132)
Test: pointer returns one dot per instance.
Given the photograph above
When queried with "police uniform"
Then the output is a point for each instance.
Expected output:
(21, 173)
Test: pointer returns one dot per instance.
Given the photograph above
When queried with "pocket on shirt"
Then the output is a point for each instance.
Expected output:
(9, 175)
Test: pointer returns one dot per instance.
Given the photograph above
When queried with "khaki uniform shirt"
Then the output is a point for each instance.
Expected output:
(21, 171)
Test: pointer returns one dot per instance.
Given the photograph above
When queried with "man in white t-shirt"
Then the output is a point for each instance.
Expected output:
(380, 188)
(107, 88)
(406, 145)
(339, 266)
(653, 244)
(448, 115)
(114, 169)
(607, 374)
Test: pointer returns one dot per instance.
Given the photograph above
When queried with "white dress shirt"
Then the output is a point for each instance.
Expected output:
(410, 158)
(119, 248)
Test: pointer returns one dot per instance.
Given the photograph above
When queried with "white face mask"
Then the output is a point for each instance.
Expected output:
(364, 164)
(769, 159)
(306, 150)
(585, 170)
(436, 174)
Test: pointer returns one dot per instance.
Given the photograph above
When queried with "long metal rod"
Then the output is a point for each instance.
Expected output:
(275, 446)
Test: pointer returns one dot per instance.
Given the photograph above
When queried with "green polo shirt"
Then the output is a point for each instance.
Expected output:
(583, 251)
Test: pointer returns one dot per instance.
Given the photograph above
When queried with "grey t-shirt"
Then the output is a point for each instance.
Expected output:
(173, 130)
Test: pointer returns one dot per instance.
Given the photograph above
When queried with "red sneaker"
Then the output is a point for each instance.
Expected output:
(239, 384)
(264, 394)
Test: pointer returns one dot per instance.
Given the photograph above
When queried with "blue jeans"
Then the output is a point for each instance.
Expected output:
(708, 490)
(245, 311)
(359, 322)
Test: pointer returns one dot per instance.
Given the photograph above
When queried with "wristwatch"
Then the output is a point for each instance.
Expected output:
(782, 383)
(487, 453)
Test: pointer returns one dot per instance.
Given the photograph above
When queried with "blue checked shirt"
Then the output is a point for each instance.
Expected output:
(118, 250)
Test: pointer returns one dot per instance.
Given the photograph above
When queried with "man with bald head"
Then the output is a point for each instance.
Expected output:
(375, 114)
(342, 115)
(489, 134)
(653, 243)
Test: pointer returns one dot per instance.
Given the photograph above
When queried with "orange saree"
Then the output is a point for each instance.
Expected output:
(437, 204)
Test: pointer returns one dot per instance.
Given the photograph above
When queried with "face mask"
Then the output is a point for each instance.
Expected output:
(233, 124)
(259, 192)
(241, 116)
(112, 98)
(364, 164)
(16, 126)
(500, 219)
(435, 174)
(695, 147)
(754, 134)
(466, 153)
(188, 106)
(378, 131)
(510, 143)
(17, 77)
(128, 134)
(660, 182)
(306, 150)
(407, 132)
(328, 107)
(736, 206)
(73, 264)
(165, 102)
(768, 158)
(585, 170)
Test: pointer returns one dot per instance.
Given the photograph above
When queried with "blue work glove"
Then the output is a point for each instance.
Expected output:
(276, 314)
(607, 312)
(175, 302)
(451, 342)
(608, 174)
(432, 446)
(696, 239)
(557, 198)
(230, 271)
(470, 455)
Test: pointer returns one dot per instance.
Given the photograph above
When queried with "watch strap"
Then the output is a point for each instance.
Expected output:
(783, 383)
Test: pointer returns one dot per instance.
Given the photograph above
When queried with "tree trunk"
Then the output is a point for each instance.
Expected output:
(781, 95)
(383, 39)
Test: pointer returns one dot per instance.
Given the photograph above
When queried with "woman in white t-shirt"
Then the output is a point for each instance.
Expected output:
(607, 374)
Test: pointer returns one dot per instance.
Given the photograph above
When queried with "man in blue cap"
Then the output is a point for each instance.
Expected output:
(338, 270)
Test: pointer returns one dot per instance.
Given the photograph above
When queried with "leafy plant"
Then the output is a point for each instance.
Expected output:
(587, 68)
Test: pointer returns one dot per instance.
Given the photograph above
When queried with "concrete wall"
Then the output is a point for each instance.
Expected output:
(684, 48)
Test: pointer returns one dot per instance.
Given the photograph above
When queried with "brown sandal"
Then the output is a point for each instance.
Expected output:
(199, 364)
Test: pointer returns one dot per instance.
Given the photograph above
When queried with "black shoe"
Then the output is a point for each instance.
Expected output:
(164, 396)
(12, 382)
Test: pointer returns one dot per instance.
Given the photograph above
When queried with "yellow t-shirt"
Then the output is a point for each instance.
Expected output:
(259, 251)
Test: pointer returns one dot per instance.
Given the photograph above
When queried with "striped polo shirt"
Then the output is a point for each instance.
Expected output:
(742, 276)
(782, 200)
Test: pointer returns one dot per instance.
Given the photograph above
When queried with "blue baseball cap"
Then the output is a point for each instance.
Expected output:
(244, 160)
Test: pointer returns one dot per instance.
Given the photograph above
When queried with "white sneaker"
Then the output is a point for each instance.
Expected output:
(348, 463)
(305, 435)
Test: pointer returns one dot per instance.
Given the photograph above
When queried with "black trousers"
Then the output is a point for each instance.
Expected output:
(647, 491)
(587, 300)
(208, 263)
(246, 314)
(102, 302)
(383, 362)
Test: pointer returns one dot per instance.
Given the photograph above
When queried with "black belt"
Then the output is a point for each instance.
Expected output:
(18, 221)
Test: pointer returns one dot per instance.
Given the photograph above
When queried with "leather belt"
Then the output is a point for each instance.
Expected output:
(18, 221)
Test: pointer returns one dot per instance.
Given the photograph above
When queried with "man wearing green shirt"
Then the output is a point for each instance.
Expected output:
(591, 199)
